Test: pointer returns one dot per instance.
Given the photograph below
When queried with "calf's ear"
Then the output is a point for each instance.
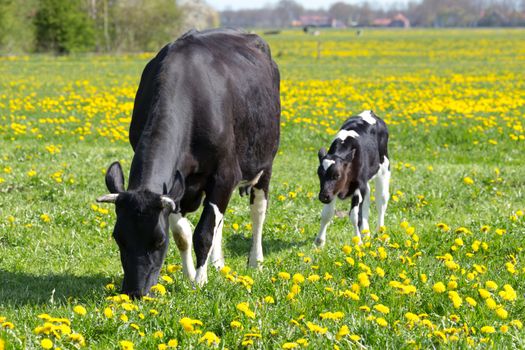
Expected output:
(115, 178)
(321, 154)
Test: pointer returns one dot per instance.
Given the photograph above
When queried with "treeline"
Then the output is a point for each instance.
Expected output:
(65, 26)
(425, 13)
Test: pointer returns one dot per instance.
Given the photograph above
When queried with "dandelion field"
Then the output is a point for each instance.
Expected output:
(448, 269)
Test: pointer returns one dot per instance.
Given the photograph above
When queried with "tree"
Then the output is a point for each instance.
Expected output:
(63, 26)
(143, 25)
(343, 12)
(286, 11)
(16, 25)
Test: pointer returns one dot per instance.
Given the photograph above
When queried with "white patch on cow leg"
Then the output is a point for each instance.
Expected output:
(354, 215)
(182, 233)
(382, 191)
(217, 257)
(326, 216)
(367, 117)
(258, 214)
(327, 163)
(366, 212)
(201, 276)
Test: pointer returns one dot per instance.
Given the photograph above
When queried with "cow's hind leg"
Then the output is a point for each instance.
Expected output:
(364, 212)
(258, 206)
(208, 232)
(382, 191)
(181, 228)
(217, 257)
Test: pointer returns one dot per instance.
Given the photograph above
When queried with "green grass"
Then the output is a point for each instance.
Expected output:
(453, 99)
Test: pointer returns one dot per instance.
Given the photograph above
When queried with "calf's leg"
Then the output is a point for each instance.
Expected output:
(357, 198)
(382, 191)
(365, 212)
(326, 216)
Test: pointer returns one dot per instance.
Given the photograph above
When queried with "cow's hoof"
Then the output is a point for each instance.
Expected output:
(255, 264)
(319, 243)
(201, 277)
(219, 264)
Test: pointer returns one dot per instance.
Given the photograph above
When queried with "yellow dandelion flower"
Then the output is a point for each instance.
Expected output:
(80, 310)
(210, 338)
(46, 343)
(439, 287)
(487, 330)
(382, 308)
(381, 321)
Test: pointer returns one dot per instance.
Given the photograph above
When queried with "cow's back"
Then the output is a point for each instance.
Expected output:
(233, 87)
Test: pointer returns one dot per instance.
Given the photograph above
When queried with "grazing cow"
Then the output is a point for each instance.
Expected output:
(205, 121)
(357, 155)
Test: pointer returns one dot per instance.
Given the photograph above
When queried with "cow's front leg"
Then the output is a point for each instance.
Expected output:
(357, 198)
(205, 237)
(208, 232)
(182, 234)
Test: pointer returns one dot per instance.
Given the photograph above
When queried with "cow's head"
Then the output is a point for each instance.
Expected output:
(142, 229)
(334, 173)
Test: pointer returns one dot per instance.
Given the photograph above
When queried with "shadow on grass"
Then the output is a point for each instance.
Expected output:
(239, 245)
(18, 288)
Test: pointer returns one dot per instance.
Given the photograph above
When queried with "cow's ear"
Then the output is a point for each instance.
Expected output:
(321, 154)
(115, 178)
(177, 190)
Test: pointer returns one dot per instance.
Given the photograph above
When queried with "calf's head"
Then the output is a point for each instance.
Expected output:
(141, 230)
(334, 173)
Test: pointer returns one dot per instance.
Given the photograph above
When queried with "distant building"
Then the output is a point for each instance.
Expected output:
(318, 21)
(399, 21)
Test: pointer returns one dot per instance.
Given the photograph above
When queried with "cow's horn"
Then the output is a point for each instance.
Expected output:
(108, 198)
(167, 202)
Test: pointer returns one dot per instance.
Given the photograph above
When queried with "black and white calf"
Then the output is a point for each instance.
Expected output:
(358, 154)
(205, 121)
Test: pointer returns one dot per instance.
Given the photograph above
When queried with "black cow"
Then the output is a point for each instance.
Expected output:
(205, 121)
(358, 154)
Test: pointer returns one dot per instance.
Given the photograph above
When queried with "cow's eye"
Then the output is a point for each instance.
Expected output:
(335, 176)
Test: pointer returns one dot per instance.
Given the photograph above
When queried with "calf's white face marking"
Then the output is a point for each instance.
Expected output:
(343, 134)
(327, 163)
(367, 117)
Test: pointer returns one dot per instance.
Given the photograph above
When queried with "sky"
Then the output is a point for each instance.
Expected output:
(311, 4)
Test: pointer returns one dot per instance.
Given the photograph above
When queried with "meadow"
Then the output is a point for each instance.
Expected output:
(447, 270)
